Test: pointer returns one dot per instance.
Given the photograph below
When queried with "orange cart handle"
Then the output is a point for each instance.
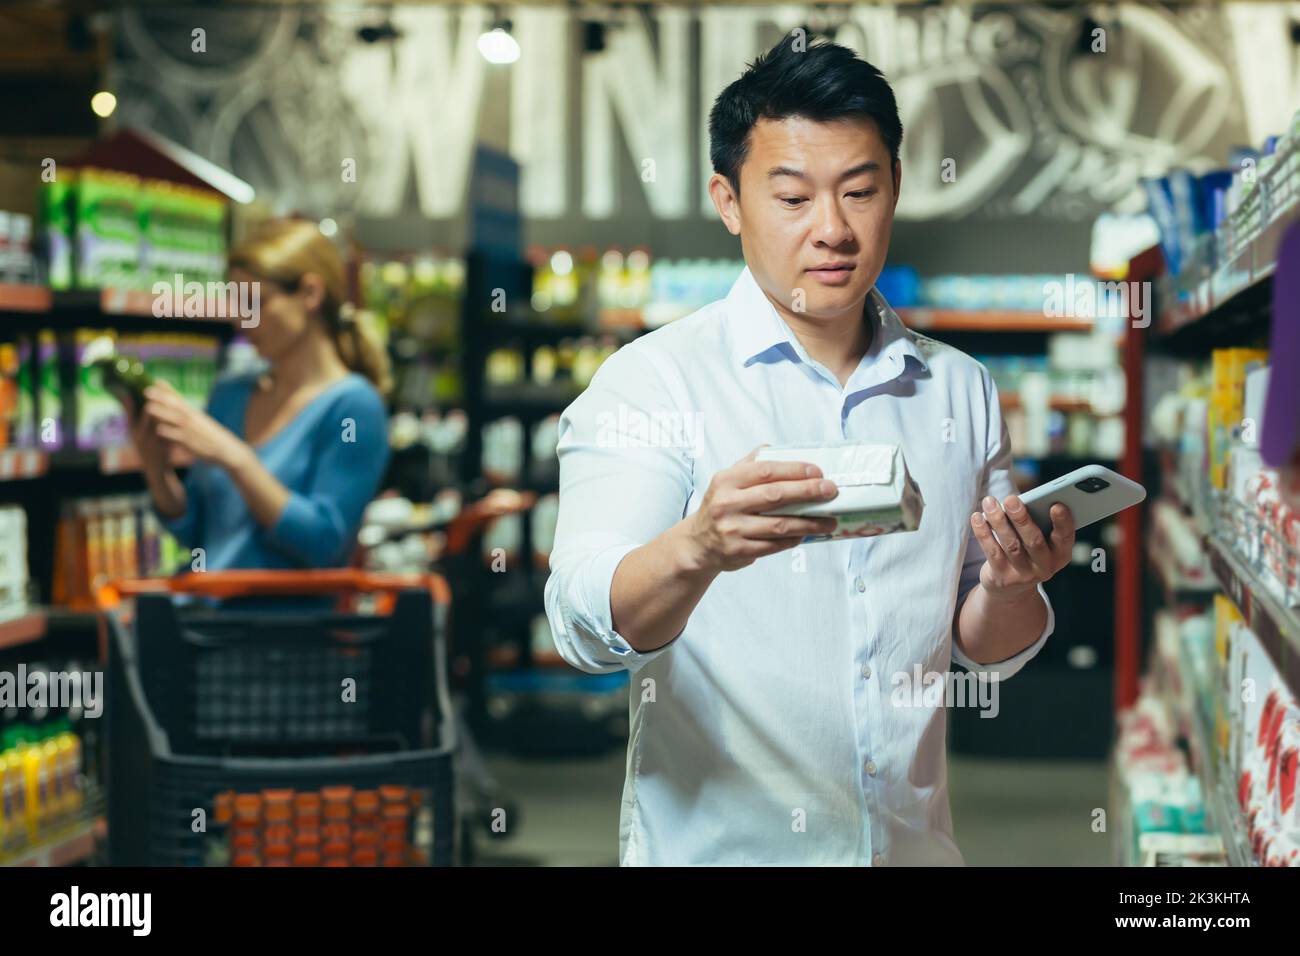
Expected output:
(475, 517)
(252, 583)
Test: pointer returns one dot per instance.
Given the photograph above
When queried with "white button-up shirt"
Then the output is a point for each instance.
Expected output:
(772, 729)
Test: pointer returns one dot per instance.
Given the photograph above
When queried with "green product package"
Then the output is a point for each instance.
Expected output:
(49, 397)
(124, 378)
(210, 213)
(108, 231)
(25, 433)
(56, 221)
(184, 233)
(106, 387)
(156, 257)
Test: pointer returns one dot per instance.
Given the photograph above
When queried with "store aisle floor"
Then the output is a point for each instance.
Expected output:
(1005, 812)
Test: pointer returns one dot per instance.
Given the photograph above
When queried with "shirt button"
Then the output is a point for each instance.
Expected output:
(866, 670)
(860, 584)
(871, 768)
(877, 860)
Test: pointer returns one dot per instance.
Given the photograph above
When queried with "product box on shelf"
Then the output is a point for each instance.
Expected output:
(1230, 368)
(56, 225)
(99, 539)
(1166, 821)
(25, 412)
(49, 394)
(14, 579)
(182, 233)
(41, 782)
(107, 230)
(9, 402)
(17, 264)
(1228, 698)
(1264, 737)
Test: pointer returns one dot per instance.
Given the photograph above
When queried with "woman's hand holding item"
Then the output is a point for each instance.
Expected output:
(154, 450)
(178, 422)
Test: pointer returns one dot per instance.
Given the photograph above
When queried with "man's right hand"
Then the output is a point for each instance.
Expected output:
(730, 531)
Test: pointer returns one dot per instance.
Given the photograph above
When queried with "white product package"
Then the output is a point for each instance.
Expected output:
(877, 495)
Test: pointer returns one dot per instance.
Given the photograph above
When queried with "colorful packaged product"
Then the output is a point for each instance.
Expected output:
(107, 249)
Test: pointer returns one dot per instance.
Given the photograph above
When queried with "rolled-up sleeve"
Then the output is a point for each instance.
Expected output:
(998, 483)
(625, 478)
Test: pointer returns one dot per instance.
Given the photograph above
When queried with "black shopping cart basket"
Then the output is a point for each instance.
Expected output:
(256, 734)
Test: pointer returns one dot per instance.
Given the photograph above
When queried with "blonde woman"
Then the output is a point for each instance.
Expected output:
(285, 461)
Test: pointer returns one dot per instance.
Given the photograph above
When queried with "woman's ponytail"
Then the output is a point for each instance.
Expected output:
(360, 348)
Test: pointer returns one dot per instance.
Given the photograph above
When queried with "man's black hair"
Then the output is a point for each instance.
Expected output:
(823, 82)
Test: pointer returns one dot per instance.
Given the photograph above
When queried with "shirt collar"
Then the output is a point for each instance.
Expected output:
(755, 327)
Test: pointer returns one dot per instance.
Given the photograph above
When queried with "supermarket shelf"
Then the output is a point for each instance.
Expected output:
(507, 658)
(989, 320)
(1233, 291)
(59, 618)
(528, 399)
(120, 460)
(544, 327)
(1058, 403)
(1215, 791)
(117, 308)
(1065, 462)
(22, 630)
(66, 847)
(624, 322)
(1276, 626)
(24, 298)
(1177, 588)
(18, 464)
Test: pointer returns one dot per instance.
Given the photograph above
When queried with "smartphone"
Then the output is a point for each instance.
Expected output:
(1091, 493)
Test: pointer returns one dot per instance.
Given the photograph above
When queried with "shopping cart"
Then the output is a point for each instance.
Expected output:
(481, 800)
(210, 707)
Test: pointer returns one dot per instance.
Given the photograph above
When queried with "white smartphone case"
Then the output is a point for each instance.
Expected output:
(1087, 507)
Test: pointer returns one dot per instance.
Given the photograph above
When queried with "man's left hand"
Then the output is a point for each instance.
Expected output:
(1020, 557)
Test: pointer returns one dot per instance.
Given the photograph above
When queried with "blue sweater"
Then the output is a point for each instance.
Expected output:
(331, 458)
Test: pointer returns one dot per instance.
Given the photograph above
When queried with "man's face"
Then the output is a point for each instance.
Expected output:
(814, 214)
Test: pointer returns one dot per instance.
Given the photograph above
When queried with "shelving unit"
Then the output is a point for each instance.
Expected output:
(1218, 794)
(20, 464)
(1201, 310)
(496, 613)
(67, 846)
(66, 842)
(988, 320)
(24, 298)
(23, 306)
(22, 630)
(1175, 587)
(1276, 625)
(1058, 403)
(1235, 287)
(62, 472)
